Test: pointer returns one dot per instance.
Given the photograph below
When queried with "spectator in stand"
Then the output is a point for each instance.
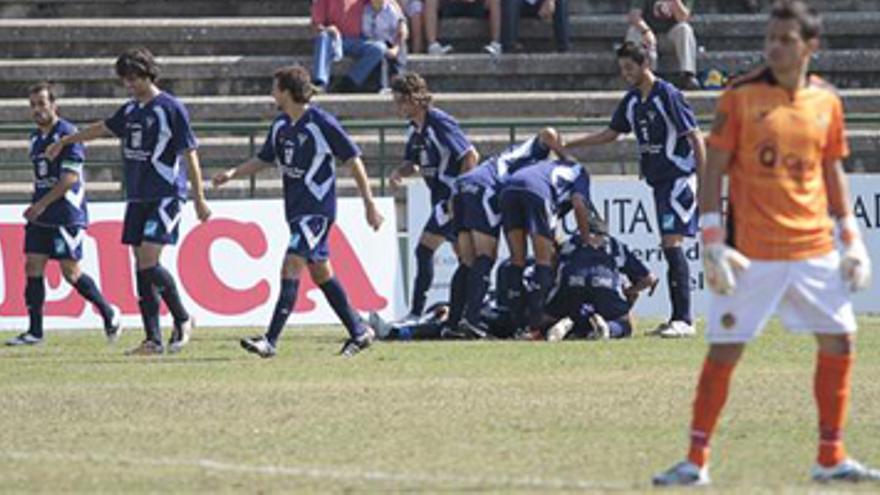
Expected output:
(661, 25)
(462, 8)
(555, 11)
(384, 21)
(338, 33)
(415, 13)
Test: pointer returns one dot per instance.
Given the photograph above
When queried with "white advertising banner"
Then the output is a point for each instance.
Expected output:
(227, 269)
(628, 206)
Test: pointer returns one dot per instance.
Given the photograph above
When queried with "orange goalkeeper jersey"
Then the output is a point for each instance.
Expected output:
(777, 201)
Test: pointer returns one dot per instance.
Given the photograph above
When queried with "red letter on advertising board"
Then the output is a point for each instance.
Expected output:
(201, 281)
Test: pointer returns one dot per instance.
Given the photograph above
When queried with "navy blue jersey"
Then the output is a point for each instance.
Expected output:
(437, 148)
(554, 181)
(305, 152)
(660, 123)
(491, 172)
(595, 274)
(71, 208)
(154, 135)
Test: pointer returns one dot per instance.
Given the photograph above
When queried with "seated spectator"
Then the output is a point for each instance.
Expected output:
(383, 21)
(338, 33)
(661, 25)
(462, 8)
(555, 11)
(415, 13)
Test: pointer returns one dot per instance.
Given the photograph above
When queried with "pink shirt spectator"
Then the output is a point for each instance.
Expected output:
(344, 14)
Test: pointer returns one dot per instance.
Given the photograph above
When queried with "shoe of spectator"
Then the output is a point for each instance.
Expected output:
(493, 49)
(436, 48)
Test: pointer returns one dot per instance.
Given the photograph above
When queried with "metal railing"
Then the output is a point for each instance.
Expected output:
(254, 130)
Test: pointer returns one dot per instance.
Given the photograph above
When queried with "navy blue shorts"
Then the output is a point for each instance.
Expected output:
(526, 211)
(56, 242)
(440, 222)
(676, 205)
(152, 221)
(309, 236)
(477, 208)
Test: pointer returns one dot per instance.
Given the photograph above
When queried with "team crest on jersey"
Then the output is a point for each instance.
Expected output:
(150, 121)
(136, 139)
(151, 228)
(289, 150)
(668, 221)
(42, 167)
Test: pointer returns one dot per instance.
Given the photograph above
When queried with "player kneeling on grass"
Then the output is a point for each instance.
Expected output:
(304, 142)
(780, 136)
(56, 218)
(590, 299)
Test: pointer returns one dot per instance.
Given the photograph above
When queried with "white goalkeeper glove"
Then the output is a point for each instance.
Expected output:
(721, 262)
(855, 265)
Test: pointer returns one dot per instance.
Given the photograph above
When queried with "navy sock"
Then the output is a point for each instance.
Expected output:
(149, 305)
(536, 298)
(164, 283)
(678, 276)
(335, 295)
(478, 284)
(424, 278)
(458, 291)
(34, 297)
(86, 287)
(283, 307)
(516, 295)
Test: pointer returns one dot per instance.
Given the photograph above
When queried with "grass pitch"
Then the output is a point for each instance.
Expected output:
(78, 416)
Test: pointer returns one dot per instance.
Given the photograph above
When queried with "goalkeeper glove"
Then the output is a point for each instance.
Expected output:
(855, 265)
(721, 262)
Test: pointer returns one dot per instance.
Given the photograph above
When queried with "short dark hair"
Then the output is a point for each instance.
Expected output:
(41, 86)
(297, 81)
(807, 18)
(413, 87)
(633, 51)
(137, 62)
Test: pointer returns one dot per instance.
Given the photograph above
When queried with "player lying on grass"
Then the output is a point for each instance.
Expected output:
(304, 142)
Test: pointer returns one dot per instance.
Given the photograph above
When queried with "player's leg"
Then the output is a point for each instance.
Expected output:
(818, 302)
(732, 322)
(514, 220)
(429, 242)
(484, 248)
(88, 289)
(34, 292)
(676, 207)
(543, 278)
(360, 335)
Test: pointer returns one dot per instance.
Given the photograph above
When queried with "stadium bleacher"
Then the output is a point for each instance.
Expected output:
(219, 55)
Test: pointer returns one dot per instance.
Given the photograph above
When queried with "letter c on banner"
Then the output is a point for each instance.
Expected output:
(201, 281)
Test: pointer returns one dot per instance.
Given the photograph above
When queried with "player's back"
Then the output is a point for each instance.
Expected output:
(779, 141)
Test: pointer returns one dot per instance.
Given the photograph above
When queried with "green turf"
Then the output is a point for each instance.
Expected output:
(78, 416)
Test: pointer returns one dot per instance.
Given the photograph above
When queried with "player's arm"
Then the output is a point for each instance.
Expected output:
(581, 217)
(648, 282)
(855, 263)
(400, 172)
(246, 169)
(90, 133)
(680, 11)
(358, 171)
(604, 136)
(698, 144)
(194, 172)
(67, 180)
(469, 160)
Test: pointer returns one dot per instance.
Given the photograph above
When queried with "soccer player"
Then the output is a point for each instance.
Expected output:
(590, 289)
(304, 142)
(155, 132)
(532, 201)
(779, 135)
(671, 153)
(438, 149)
(477, 217)
(57, 218)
